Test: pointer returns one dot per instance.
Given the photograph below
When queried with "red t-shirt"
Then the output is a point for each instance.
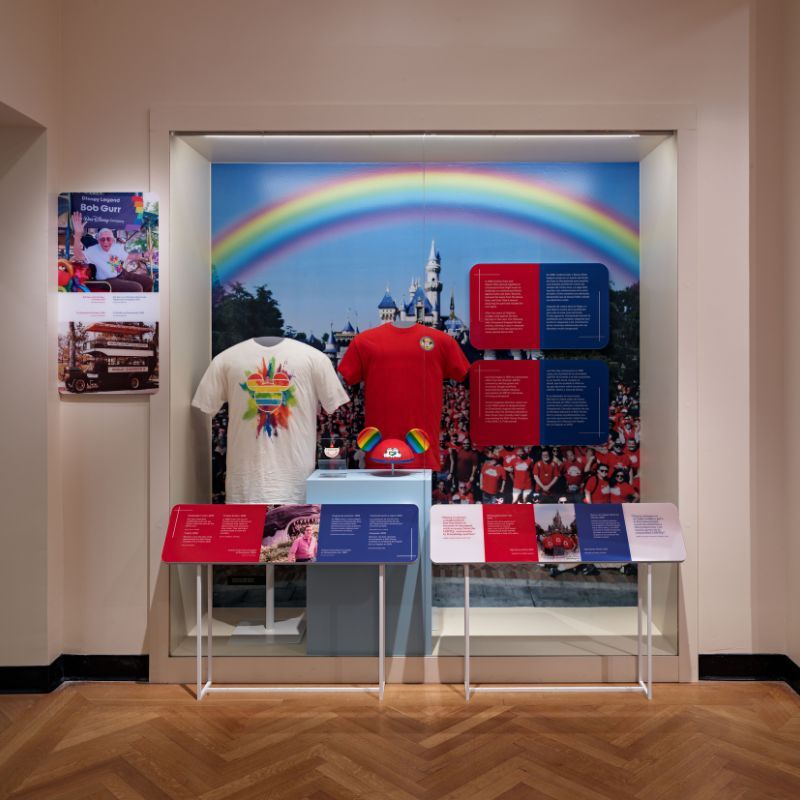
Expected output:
(599, 489)
(545, 472)
(614, 460)
(491, 475)
(573, 472)
(440, 496)
(622, 493)
(466, 462)
(402, 370)
(444, 460)
(628, 432)
(522, 473)
(509, 458)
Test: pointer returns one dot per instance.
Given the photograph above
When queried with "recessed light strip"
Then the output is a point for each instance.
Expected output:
(411, 136)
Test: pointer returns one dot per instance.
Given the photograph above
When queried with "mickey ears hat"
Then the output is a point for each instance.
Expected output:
(416, 439)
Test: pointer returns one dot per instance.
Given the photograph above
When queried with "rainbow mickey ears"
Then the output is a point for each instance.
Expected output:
(418, 440)
(393, 451)
(368, 438)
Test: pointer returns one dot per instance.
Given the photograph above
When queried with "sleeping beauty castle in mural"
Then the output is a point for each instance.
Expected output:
(423, 305)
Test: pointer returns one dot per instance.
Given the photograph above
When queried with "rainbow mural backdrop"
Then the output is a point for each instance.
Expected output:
(344, 225)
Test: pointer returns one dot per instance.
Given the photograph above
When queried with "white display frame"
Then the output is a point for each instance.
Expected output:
(523, 119)
(204, 687)
(642, 686)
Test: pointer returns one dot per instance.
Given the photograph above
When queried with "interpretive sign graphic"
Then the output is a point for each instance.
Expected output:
(490, 534)
(108, 284)
(361, 534)
(539, 306)
(523, 403)
(292, 534)
(214, 534)
(118, 211)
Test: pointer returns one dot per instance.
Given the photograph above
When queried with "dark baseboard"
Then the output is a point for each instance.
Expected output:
(67, 667)
(750, 667)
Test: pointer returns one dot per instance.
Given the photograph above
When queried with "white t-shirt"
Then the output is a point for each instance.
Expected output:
(273, 394)
(108, 262)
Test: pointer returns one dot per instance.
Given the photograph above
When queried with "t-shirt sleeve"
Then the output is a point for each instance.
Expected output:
(351, 367)
(90, 253)
(211, 393)
(454, 362)
(330, 392)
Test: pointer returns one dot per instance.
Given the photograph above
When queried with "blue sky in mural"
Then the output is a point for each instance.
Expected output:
(326, 280)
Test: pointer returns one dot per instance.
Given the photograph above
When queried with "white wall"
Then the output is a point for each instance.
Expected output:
(433, 58)
(29, 57)
(438, 56)
(30, 491)
(790, 195)
(23, 423)
(769, 477)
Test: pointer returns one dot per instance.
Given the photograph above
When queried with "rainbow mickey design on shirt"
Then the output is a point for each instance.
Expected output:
(115, 263)
(271, 396)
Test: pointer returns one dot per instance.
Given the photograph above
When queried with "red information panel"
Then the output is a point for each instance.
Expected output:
(508, 534)
(214, 534)
(504, 306)
(505, 403)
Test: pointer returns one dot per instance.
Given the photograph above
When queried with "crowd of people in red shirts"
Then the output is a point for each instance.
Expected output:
(506, 474)
(502, 474)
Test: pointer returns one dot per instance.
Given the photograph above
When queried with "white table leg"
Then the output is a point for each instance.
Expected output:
(381, 629)
(639, 650)
(466, 632)
(649, 631)
(269, 624)
(210, 620)
(199, 629)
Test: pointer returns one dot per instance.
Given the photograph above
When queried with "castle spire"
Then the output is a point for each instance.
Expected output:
(433, 256)
(433, 286)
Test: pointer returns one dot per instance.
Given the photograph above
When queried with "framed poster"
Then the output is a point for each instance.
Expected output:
(108, 280)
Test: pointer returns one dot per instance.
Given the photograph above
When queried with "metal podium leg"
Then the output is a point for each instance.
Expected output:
(210, 620)
(649, 631)
(381, 630)
(199, 629)
(269, 624)
(466, 632)
(639, 651)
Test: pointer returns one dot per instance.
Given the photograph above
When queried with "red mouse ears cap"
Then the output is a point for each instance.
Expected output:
(394, 451)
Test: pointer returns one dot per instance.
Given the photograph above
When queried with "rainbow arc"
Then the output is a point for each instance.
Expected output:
(499, 199)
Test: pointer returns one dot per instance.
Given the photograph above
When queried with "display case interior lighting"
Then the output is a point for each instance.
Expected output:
(556, 136)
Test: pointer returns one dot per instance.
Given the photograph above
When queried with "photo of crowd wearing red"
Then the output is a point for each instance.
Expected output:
(501, 474)
(508, 474)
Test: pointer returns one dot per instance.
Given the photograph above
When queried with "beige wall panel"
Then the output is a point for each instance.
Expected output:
(104, 450)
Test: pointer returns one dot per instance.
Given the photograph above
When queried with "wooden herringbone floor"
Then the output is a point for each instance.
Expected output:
(731, 741)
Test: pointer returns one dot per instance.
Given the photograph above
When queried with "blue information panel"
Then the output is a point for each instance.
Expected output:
(603, 535)
(574, 306)
(573, 402)
(539, 306)
(368, 534)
